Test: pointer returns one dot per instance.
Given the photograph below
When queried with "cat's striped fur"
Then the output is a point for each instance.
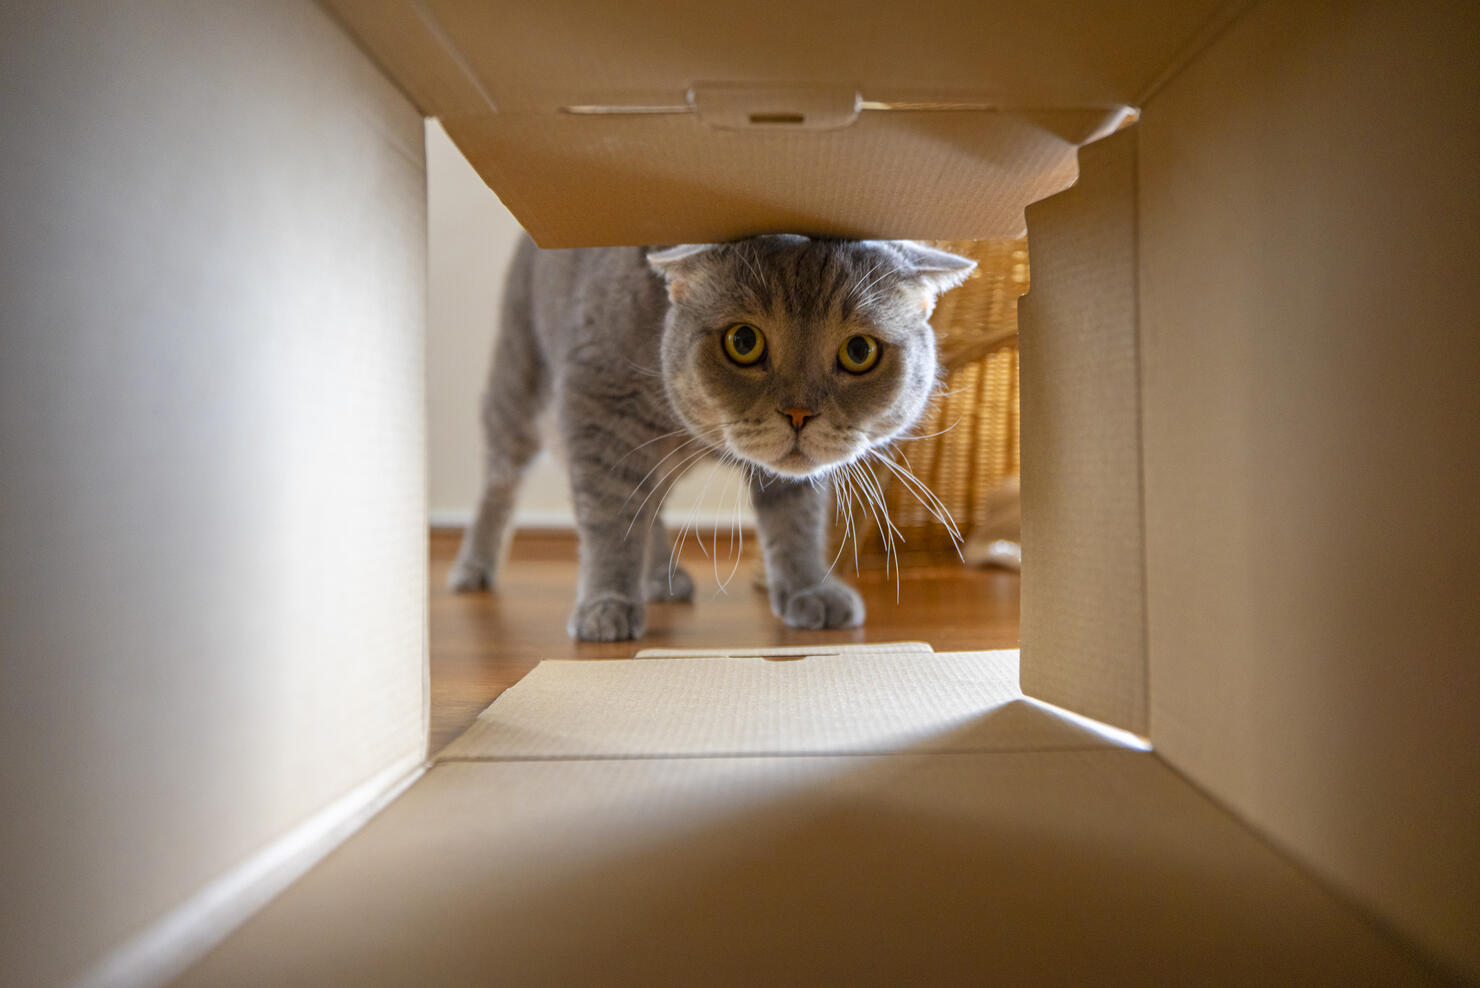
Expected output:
(627, 344)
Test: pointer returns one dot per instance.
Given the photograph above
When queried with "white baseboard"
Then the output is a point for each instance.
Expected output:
(462, 517)
(449, 517)
(704, 521)
(182, 936)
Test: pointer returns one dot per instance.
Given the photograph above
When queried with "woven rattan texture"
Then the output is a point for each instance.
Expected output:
(968, 441)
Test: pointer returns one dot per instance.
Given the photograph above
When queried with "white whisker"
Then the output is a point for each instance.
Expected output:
(760, 282)
(931, 435)
(660, 485)
(928, 499)
(866, 499)
(677, 546)
(714, 535)
(693, 511)
(858, 283)
(702, 436)
(852, 521)
(666, 435)
(923, 494)
(837, 513)
(865, 289)
(737, 529)
(886, 528)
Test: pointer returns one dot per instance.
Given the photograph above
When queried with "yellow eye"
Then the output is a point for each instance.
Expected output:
(744, 344)
(858, 354)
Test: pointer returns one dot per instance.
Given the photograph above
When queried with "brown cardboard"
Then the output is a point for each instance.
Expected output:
(663, 122)
(212, 498)
(854, 701)
(1284, 251)
(897, 649)
(1069, 867)
(1083, 589)
(1309, 232)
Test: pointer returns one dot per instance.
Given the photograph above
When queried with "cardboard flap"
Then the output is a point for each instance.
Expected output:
(574, 180)
(821, 701)
(416, 52)
(1083, 597)
(793, 107)
(660, 122)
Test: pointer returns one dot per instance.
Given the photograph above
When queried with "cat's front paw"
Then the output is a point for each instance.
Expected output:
(608, 618)
(466, 576)
(827, 605)
(663, 586)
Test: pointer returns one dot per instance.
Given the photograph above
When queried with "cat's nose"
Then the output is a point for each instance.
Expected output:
(798, 416)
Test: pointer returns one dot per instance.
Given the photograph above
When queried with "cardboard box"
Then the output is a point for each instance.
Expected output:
(1250, 417)
(1250, 499)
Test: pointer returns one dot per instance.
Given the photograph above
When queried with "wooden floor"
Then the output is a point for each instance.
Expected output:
(483, 643)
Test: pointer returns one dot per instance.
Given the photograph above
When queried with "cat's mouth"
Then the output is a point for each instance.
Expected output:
(795, 462)
(791, 456)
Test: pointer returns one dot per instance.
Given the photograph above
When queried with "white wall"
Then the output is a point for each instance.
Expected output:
(212, 555)
(471, 236)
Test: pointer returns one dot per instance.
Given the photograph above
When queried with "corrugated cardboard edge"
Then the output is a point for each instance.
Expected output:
(411, 48)
(1083, 591)
(871, 648)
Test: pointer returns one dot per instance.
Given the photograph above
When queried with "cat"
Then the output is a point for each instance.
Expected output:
(791, 356)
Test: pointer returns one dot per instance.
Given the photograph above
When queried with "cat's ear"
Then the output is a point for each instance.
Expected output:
(934, 271)
(679, 265)
(940, 269)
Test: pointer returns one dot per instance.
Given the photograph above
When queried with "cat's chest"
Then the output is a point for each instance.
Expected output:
(619, 385)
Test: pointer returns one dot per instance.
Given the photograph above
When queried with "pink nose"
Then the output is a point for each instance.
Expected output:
(799, 417)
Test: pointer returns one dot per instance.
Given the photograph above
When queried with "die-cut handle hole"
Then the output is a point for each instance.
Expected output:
(792, 658)
(775, 119)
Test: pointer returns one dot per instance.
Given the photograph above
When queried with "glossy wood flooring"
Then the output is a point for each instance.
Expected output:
(483, 643)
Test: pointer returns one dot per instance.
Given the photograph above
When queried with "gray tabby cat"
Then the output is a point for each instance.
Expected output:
(790, 355)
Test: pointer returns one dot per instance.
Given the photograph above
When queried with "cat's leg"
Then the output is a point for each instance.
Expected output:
(665, 579)
(791, 516)
(613, 529)
(618, 478)
(518, 390)
(485, 541)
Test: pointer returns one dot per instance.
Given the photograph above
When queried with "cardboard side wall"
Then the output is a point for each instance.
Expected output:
(212, 548)
(1309, 234)
(1083, 592)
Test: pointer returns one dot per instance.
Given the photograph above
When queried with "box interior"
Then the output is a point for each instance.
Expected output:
(1213, 314)
(1249, 364)
(811, 832)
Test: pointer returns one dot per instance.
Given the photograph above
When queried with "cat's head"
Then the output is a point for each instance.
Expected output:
(800, 355)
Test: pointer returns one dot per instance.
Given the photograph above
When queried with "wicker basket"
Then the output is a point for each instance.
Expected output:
(969, 439)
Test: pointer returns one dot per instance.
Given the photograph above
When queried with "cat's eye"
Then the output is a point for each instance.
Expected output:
(744, 344)
(858, 354)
